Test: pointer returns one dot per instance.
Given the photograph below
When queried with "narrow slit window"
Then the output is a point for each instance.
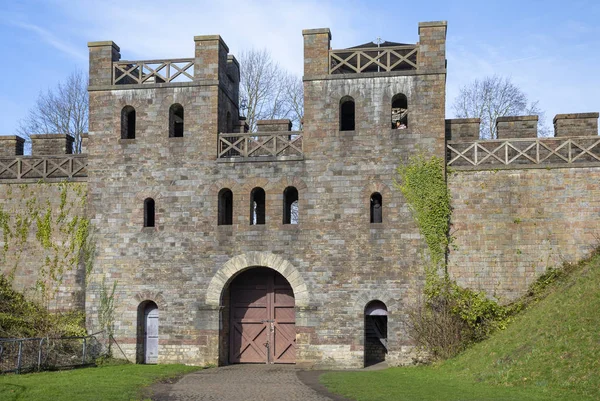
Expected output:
(347, 114)
(376, 208)
(149, 212)
(257, 206)
(399, 111)
(176, 121)
(290, 206)
(225, 207)
(128, 123)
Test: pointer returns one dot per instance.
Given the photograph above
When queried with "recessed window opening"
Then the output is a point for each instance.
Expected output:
(225, 207)
(347, 114)
(376, 208)
(176, 121)
(257, 206)
(399, 111)
(149, 212)
(290, 206)
(128, 123)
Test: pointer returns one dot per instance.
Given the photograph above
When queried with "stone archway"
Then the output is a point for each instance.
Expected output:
(218, 293)
(239, 263)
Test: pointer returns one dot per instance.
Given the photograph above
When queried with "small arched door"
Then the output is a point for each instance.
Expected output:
(376, 344)
(151, 333)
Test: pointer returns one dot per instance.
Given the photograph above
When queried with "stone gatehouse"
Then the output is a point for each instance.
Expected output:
(282, 246)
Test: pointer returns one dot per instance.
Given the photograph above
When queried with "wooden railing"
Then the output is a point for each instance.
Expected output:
(261, 145)
(153, 71)
(43, 167)
(373, 59)
(518, 153)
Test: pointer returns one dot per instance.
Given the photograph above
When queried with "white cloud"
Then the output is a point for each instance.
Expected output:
(48, 37)
(165, 30)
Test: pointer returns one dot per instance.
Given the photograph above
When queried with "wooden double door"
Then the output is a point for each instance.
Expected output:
(262, 318)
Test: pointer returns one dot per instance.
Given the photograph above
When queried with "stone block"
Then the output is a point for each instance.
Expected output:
(516, 127)
(11, 145)
(576, 124)
(51, 144)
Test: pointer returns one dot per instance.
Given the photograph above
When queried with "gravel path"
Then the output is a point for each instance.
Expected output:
(245, 382)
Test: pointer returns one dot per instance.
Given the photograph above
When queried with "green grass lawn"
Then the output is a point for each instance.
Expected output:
(421, 384)
(550, 352)
(106, 383)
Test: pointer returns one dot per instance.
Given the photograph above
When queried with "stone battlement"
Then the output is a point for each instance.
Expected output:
(509, 127)
(197, 220)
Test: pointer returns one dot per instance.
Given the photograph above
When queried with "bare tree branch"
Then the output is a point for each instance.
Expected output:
(268, 90)
(62, 110)
(495, 97)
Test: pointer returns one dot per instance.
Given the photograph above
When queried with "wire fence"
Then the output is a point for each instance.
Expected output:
(24, 355)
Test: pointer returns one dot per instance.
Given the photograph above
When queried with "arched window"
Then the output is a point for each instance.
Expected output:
(290, 206)
(128, 123)
(347, 114)
(376, 208)
(257, 206)
(149, 212)
(176, 121)
(225, 207)
(376, 344)
(399, 111)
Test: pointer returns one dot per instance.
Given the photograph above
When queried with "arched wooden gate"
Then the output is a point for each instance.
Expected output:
(262, 318)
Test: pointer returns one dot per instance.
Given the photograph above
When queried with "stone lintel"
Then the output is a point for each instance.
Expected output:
(210, 38)
(575, 116)
(231, 59)
(463, 121)
(316, 31)
(507, 119)
(274, 125)
(16, 138)
(433, 24)
(50, 136)
(104, 44)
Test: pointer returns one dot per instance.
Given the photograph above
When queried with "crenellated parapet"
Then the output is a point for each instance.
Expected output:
(575, 143)
(428, 55)
(52, 159)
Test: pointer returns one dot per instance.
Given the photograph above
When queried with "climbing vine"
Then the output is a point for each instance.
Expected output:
(54, 233)
(423, 184)
(452, 317)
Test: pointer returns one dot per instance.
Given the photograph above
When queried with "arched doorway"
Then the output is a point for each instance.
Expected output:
(376, 345)
(262, 324)
(147, 342)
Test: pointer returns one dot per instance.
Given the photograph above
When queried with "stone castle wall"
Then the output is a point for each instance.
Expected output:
(25, 258)
(510, 226)
(340, 258)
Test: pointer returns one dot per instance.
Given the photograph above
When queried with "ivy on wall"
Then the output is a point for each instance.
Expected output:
(62, 238)
(452, 317)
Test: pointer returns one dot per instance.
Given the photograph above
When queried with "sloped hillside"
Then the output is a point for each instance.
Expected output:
(554, 345)
(550, 352)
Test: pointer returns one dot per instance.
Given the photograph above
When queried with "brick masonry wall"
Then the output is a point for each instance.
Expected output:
(26, 261)
(344, 260)
(511, 225)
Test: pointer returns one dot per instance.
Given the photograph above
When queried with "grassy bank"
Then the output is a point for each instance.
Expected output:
(106, 383)
(550, 351)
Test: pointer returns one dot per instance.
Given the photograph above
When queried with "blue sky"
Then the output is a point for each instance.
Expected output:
(551, 49)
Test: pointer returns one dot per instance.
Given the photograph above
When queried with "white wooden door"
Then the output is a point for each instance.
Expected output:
(151, 334)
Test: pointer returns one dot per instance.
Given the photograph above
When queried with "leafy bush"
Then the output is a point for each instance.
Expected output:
(20, 317)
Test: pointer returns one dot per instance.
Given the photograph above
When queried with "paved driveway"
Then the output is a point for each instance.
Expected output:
(247, 383)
